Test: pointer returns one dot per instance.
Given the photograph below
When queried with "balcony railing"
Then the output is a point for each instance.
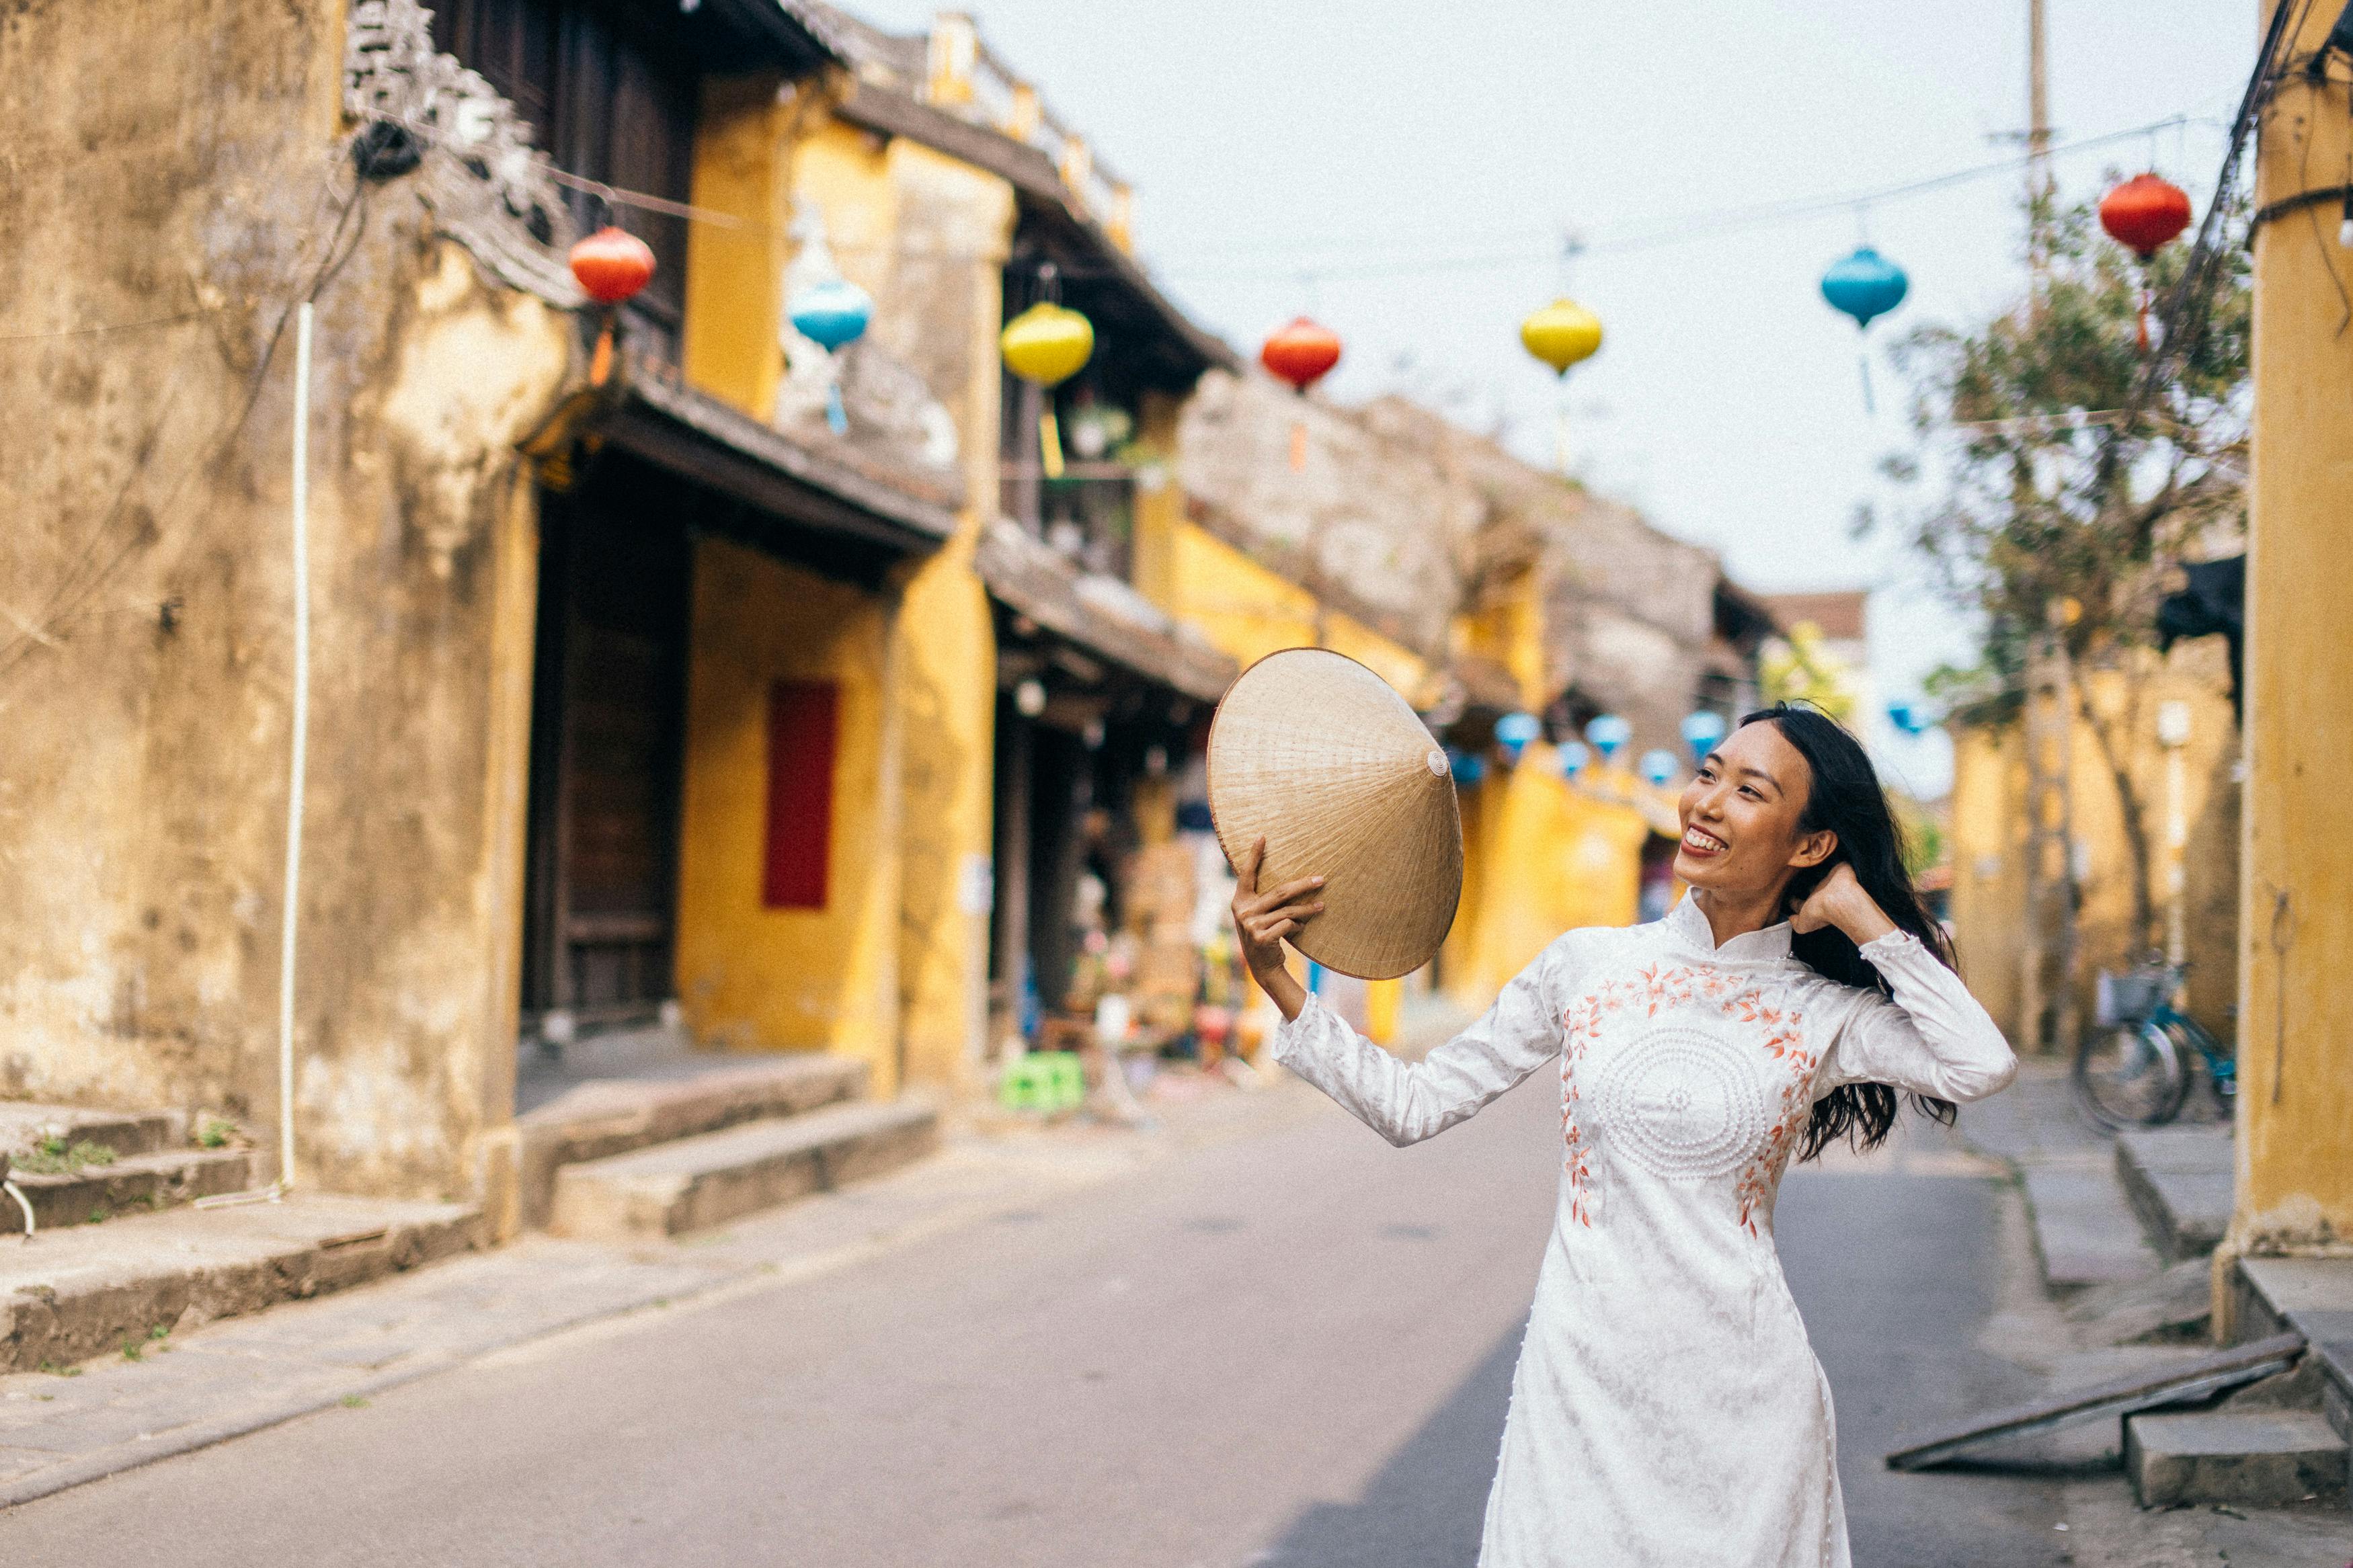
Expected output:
(1088, 514)
(963, 78)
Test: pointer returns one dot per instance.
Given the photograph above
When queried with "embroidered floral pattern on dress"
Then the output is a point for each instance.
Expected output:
(1669, 1133)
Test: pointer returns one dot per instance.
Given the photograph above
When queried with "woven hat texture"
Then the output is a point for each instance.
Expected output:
(1324, 759)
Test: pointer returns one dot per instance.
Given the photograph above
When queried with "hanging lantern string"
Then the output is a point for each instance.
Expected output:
(1688, 228)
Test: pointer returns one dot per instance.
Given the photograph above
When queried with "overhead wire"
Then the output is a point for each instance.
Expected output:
(1684, 230)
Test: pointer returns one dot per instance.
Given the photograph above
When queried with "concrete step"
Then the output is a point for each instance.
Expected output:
(2084, 1225)
(605, 1117)
(2180, 1182)
(24, 1123)
(2262, 1458)
(695, 1182)
(2309, 1296)
(137, 1183)
(69, 1295)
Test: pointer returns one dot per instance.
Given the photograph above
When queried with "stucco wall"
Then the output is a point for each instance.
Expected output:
(750, 977)
(1990, 824)
(177, 169)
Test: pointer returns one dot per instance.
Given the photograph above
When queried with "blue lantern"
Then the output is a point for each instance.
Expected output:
(1574, 755)
(1469, 767)
(1514, 730)
(1865, 286)
(1659, 766)
(1702, 731)
(1606, 733)
(832, 313)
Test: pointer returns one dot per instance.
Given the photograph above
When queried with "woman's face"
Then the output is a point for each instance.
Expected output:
(1740, 816)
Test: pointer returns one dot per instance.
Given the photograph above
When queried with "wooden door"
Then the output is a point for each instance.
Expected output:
(606, 744)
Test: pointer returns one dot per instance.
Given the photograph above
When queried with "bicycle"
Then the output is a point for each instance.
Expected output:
(2134, 1069)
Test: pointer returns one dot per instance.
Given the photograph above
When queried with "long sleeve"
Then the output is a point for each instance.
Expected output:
(1933, 1037)
(1408, 1101)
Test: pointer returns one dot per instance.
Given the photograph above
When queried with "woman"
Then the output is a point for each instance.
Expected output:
(1667, 1409)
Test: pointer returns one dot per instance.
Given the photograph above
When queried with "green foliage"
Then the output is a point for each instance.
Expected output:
(54, 1156)
(1799, 669)
(2070, 481)
(213, 1133)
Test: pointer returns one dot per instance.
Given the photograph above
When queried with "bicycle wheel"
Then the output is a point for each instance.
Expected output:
(2222, 1065)
(2130, 1076)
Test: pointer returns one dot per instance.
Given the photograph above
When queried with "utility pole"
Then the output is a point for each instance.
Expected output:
(2047, 958)
(2039, 187)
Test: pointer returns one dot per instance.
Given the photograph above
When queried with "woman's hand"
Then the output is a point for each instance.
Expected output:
(1262, 919)
(1839, 899)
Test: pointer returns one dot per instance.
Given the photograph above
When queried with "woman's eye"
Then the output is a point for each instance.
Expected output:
(1750, 791)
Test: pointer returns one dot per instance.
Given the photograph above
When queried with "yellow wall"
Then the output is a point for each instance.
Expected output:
(1250, 611)
(2295, 1114)
(734, 274)
(1989, 839)
(1507, 629)
(1541, 855)
(755, 978)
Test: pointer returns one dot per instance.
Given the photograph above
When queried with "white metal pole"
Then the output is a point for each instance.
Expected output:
(290, 920)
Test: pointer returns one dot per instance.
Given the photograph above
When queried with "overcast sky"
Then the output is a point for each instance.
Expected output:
(1420, 160)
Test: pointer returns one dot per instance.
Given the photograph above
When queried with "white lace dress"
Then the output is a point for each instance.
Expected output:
(1667, 1410)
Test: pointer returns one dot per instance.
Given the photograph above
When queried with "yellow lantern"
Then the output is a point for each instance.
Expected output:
(1562, 335)
(1046, 345)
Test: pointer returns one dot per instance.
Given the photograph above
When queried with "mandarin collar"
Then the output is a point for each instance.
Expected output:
(1688, 926)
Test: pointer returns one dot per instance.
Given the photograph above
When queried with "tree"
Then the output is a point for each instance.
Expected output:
(2078, 470)
(1799, 669)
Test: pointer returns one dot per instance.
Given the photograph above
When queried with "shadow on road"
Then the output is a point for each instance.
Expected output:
(1424, 1508)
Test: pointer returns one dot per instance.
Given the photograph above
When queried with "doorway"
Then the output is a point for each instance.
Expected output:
(608, 694)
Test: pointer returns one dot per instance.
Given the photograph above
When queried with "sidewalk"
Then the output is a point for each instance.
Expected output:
(181, 1392)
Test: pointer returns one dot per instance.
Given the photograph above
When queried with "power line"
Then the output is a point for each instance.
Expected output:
(1517, 250)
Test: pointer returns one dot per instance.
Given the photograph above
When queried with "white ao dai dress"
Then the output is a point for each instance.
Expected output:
(1667, 1411)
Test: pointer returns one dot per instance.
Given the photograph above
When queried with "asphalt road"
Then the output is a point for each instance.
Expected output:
(1292, 1348)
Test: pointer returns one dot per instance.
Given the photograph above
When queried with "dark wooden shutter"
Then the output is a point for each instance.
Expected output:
(804, 720)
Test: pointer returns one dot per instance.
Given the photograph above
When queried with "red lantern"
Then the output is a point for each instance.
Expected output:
(1300, 353)
(612, 265)
(2144, 214)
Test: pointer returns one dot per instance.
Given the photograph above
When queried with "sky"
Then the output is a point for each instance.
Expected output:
(1404, 173)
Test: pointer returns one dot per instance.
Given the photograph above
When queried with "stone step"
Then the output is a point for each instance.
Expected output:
(605, 1117)
(2262, 1458)
(140, 1182)
(2179, 1181)
(696, 1183)
(2309, 1296)
(71, 1294)
(23, 1123)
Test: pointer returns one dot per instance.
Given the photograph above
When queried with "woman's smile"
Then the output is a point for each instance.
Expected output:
(1700, 844)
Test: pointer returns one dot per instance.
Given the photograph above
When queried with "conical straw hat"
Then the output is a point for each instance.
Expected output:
(1324, 759)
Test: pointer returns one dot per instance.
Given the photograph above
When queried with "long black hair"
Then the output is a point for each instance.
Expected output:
(1844, 796)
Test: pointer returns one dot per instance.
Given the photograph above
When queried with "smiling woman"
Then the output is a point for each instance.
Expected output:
(1667, 1408)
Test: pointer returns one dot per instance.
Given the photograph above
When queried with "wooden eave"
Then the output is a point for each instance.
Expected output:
(1100, 614)
(697, 437)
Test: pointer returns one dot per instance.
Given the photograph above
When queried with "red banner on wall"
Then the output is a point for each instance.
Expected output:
(803, 729)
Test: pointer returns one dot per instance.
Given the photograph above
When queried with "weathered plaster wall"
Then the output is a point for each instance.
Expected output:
(750, 977)
(1989, 821)
(2295, 1115)
(939, 313)
(1376, 528)
(175, 174)
(1407, 521)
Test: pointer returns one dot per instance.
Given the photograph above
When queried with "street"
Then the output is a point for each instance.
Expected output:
(1292, 1346)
